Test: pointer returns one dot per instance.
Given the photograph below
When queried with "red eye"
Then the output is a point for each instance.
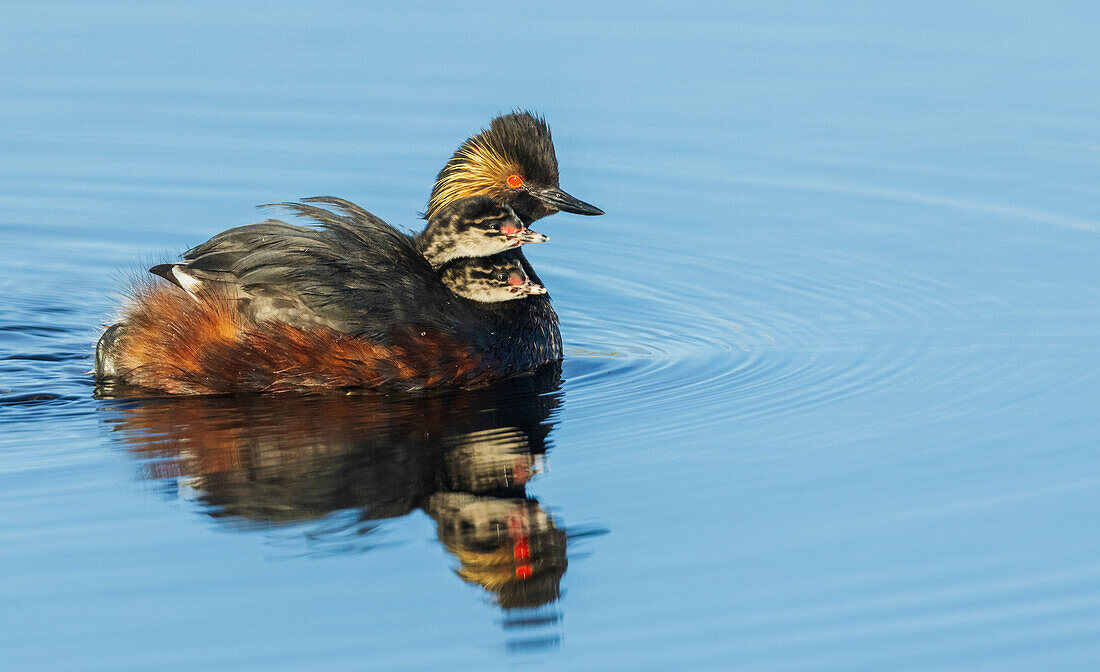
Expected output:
(515, 181)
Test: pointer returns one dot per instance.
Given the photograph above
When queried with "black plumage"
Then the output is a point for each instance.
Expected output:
(362, 277)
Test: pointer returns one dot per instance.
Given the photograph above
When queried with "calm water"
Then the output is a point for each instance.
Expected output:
(831, 397)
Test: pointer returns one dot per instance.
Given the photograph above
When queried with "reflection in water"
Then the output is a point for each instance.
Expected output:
(463, 457)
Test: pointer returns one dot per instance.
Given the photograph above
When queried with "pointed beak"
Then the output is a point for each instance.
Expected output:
(559, 200)
(529, 287)
(529, 236)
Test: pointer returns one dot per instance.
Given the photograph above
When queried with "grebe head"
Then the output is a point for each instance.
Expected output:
(512, 161)
(473, 227)
(489, 280)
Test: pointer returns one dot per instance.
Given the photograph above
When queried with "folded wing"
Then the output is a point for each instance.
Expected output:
(354, 274)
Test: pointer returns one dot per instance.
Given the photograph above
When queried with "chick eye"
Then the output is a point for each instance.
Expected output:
(502, 276)
(514, 181)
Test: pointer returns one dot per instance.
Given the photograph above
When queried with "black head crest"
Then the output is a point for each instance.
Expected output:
(515, 150)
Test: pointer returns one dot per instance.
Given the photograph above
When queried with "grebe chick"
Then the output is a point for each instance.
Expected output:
(489, 280)
(473, 227)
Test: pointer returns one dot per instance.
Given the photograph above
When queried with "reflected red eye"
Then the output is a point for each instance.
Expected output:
(509, 229)
(521, 550)
(515, 181)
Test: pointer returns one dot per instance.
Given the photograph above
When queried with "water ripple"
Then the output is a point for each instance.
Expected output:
(722, 338)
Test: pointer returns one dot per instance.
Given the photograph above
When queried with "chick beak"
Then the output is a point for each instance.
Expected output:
(559, 200)
(528, 236)
(528, 287)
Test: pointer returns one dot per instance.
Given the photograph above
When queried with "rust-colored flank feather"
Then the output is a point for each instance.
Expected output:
(184, 345)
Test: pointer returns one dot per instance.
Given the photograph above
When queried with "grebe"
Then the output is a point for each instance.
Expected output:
(488, 280)
(356, 303)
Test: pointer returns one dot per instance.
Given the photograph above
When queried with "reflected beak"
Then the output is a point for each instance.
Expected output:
(559, 200)
(528, 236)
(529, 287)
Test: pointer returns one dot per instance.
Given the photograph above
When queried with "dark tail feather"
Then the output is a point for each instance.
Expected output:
(106, 352)
(164, 271)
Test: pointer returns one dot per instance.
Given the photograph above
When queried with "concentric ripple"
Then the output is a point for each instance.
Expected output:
(780, 330)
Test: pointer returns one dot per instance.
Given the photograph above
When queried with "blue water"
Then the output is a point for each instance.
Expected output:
(831, 387)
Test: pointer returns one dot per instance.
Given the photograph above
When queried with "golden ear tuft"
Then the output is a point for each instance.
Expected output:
(476, 169)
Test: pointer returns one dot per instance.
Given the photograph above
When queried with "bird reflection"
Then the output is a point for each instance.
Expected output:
(463, 457)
